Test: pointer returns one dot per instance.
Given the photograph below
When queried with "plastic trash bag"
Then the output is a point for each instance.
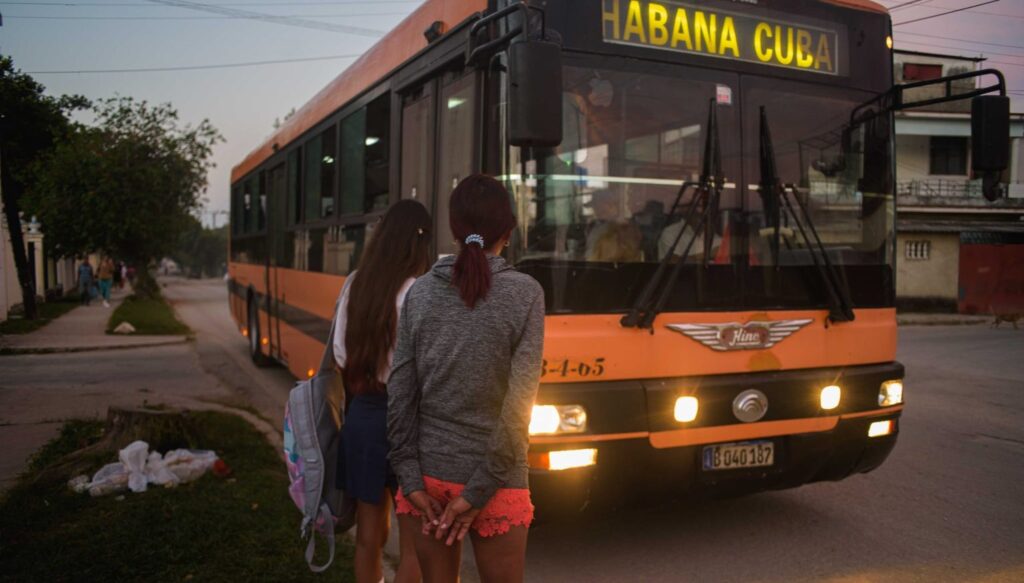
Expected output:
(157, 472)
(109, 479)
(79, 484)
(134, 457)
(189, 464)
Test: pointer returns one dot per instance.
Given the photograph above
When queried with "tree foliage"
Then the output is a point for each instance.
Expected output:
(126, 185)
(202, 252)
(30, 123)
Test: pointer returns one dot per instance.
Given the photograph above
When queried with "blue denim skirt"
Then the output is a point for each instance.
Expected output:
(363, 468)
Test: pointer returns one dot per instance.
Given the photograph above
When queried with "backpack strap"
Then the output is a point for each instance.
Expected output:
(325, 512)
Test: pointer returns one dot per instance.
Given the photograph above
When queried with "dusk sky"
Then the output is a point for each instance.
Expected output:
(47, 36)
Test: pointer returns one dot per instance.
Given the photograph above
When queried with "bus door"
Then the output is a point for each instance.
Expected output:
(277, 215)
(438, 121)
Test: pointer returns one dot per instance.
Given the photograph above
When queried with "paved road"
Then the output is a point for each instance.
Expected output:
(948, 505)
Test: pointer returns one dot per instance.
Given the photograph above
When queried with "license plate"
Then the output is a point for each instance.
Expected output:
(729, 456)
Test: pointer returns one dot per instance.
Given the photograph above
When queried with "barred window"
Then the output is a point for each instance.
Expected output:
(918, 250)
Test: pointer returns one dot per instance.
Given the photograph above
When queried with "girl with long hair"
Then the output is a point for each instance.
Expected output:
(461, 392)
(364, 340)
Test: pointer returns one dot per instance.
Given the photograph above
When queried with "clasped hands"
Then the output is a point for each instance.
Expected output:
(450, 523)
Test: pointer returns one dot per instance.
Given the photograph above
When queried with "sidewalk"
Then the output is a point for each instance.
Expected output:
(83, 328)
(912, 319)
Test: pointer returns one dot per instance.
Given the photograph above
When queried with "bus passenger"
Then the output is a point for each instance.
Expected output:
(461, 392)
(610, 237)
(364, 340)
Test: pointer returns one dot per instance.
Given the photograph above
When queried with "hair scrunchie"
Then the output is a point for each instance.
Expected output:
(475, 239)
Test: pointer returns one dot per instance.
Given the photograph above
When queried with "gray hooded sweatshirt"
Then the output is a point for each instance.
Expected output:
(463, 382)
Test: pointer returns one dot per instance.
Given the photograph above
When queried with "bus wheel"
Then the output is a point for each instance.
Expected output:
(257, 355)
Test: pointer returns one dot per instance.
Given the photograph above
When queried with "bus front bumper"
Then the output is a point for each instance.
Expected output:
(668, 460)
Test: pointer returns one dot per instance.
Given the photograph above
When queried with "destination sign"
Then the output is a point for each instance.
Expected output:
(687, 28)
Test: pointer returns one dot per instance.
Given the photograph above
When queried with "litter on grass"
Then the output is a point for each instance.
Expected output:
(140, 467)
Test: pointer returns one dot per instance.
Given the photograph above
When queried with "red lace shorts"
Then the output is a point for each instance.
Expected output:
(507, 508)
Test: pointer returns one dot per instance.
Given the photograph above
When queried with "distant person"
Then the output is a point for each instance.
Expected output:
(461, 392)
(610, 238)
(364, 341)
(119, 275)
(85, 281)
(106, 276)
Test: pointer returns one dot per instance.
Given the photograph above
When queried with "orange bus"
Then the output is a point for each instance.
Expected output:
(703, 189)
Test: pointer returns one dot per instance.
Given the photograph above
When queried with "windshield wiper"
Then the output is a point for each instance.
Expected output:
(642, 314)
(775, 198)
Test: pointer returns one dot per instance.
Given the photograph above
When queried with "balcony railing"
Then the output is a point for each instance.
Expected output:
(940, 187)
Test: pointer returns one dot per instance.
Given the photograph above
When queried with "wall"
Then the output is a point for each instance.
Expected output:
(992, 279)
(935, 277)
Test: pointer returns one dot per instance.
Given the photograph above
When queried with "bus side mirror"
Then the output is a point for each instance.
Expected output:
(535, 94)
(990, 141)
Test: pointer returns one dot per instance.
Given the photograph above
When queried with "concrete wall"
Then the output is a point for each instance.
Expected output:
(935, 277)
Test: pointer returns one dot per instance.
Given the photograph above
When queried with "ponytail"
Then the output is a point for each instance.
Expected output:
(471, 272)
(480, 216)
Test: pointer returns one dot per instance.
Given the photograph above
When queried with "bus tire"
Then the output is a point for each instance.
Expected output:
(258, 358)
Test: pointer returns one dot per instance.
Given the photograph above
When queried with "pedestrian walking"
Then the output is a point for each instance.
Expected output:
(122, 268)
(465, 375)
(106, 276)
(85, 281)
(364, 340)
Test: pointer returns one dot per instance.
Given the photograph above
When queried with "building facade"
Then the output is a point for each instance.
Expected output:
(956, 250)
(52, 278)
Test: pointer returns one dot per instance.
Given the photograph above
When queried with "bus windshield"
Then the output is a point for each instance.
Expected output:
(599, 212)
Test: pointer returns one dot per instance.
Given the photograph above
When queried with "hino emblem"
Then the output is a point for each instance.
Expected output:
(736, 336)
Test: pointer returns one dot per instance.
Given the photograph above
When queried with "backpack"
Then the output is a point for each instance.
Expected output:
(312, 434)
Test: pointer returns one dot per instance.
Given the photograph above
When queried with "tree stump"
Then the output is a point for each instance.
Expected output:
(162, 430)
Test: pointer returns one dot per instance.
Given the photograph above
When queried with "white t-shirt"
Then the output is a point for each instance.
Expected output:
(341, 319)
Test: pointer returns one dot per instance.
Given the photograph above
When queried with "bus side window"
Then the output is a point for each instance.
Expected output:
(455, 143)
(260, 210)
(249, 207)
(318, 175)
(342, 248)
(365, 143)
(418, 146)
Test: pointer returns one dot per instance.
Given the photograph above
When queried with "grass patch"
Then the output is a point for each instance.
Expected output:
(148, 316)
(210, 530)
(48, 312)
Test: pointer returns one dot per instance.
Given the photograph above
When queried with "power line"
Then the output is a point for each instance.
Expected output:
(963, 40)
(906, 4)
(961, 49)
(285, 20)
(195, 67)
(985, 12)
(37, 17)
(945, 13)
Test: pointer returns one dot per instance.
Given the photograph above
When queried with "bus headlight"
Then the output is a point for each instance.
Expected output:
(891, 393)
(563, 460)
(550, 419)
(686, 409)
(830, 397)
(880, 428)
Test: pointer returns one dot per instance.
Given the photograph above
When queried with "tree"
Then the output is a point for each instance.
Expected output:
(127, 185)
(200, 251)
(30, 123)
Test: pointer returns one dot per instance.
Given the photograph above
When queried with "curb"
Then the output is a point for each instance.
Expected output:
(941, 322)
(14, 350)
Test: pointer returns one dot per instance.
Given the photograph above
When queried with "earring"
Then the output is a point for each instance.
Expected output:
(506, 243)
